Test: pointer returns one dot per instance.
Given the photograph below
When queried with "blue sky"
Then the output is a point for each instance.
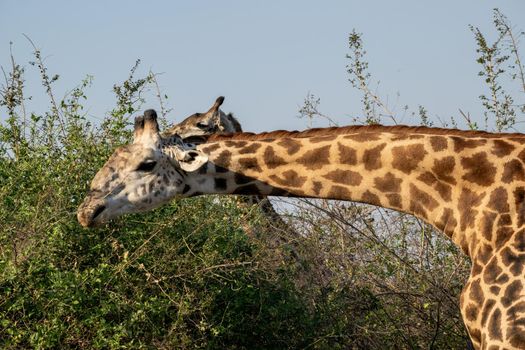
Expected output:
(263, 56)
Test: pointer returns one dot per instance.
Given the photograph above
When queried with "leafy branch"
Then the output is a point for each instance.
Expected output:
(360, 79)
(493, 57)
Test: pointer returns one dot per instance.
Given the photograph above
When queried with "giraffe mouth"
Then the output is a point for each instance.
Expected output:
(87, 216)
(97, 212)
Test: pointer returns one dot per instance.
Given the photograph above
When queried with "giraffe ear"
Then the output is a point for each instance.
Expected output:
(191, 160)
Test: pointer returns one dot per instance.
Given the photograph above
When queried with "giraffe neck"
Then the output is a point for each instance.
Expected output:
(449, 181)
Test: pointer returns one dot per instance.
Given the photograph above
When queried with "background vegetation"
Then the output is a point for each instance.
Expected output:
(210, 273)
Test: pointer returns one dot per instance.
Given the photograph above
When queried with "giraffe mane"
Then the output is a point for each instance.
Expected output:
(397, 129)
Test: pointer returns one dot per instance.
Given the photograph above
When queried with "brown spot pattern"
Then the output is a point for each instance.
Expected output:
(495, 325)
(292, 146)
(487, 224)
(443, 169)
(417, 209)
(505, 220)
(464, 244)
(290, 178)
(513, 171)
(521, 156)
(517, 335)
(476, 268)
(444, 190)
(317, 186)
(250, 164)
(468, 202)
(512, 293)
(209, 149)
(471, 312)
(316, 158)
(388, 183)
(271, 159)
(395, 200)
(447, 222)
(250, 148)
(519, 201)
(476, 293)
(519, 240)
(347, 155)
(345, 177)
(438, 143)
(428, 178)
(461, 143)
(338, 192)
(423, 198)
(494, 290)
(224, 159)
(484, 253)
(371, 198)
(502, 148)
(493, 272)
(372, 157)
(499, 200)
(478, 169)
(407, 158)
(487, 308)
(366, 130)
(512, 260)
(503, 233)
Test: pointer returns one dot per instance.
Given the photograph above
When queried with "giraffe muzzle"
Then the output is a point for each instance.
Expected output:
(89, 212)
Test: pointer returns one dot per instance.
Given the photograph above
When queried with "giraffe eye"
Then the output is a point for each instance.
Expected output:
(147, 166)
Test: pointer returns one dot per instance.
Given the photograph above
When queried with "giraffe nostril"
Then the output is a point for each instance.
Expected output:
(98, 211)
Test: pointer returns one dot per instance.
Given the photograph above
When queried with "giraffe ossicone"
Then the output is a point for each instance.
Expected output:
(469, 185)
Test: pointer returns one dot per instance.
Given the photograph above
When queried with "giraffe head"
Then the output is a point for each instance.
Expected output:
(152, 170)
(214, 121)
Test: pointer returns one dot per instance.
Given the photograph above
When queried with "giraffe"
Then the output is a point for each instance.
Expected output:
(468, 184)
(198, 126)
